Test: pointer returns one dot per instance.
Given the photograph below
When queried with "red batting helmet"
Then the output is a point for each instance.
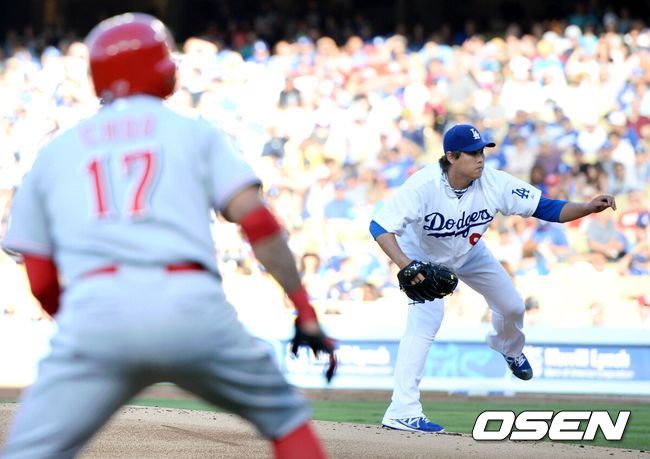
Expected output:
(131, 54)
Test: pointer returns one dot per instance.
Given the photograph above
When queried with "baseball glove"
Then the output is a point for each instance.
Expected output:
(439, 281)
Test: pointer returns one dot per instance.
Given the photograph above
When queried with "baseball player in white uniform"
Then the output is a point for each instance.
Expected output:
(439, 215)
(117, 209)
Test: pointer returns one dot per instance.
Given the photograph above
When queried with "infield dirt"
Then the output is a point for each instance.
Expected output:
(152, 433)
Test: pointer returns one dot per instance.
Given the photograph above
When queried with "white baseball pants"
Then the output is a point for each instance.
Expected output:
(120, 333)
(483, 273)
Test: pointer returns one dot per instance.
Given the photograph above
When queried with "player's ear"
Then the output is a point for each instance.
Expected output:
(451, 157)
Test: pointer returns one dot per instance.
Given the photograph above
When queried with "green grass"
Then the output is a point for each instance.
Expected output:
(457, 415)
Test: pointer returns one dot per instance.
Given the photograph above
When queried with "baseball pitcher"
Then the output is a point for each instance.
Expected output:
(432, 228)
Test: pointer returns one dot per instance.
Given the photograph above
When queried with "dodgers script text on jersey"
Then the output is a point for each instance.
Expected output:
(431, 223)
(441, 227)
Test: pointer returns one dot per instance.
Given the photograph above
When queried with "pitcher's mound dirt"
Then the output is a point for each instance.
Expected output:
(153, 433)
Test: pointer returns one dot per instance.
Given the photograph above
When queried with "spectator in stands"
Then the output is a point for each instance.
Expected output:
(508, 249)
(370, 291)
(319, 194)
(621, 181)
(532, 261)
(549, 157)
(553, 236)
(643, 168)
(275, 145)
(567, 136)
(494, 114)
(591, 178)
(623, 152)
(537, 177)
(290, 96)
(553, 187)
(310, 271)
(519, 158)
(345, 281)
(522, 124)
(624, 130)
(412, 131)
(591, 139)
(606, 161)
(340, 206)
(636, 214)
(604, 238)
(397, 167)
(461, 88)
(636, 261)
(356, 189)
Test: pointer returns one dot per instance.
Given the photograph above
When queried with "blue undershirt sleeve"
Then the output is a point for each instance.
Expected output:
(549, 209)
(376, 229)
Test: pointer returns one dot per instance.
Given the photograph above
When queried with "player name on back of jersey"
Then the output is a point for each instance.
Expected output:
(122, 128)
(439, 226)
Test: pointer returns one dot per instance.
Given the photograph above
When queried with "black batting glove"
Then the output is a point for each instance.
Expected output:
(318, 343)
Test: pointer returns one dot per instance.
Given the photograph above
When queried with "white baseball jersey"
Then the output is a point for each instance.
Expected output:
(432, 224)
(134, 183)
(132, 187)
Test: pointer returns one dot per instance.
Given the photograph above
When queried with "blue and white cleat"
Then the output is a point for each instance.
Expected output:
(519, 366)
(419, 424)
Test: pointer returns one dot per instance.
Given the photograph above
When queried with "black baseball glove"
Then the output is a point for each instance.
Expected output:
(439, 281)
(317, 343)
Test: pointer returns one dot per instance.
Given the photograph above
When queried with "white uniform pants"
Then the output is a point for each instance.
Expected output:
(120, 333)
(483, 273)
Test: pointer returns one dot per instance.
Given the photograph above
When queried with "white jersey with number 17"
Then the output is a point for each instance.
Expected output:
(132, 184)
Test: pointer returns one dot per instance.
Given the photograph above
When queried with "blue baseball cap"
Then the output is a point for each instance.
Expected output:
(464, 137)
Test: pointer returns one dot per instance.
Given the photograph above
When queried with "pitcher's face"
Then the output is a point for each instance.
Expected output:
(469, 165)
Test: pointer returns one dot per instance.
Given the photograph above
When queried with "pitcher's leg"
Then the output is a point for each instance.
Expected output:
(486, 275)
(422, 325)
(508, 322)
(71, 399)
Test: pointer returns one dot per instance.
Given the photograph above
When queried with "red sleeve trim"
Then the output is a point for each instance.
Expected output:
(44, 281)
(260, 224)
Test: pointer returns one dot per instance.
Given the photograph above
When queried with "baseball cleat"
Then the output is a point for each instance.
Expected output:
(418, 424)
(519, 366)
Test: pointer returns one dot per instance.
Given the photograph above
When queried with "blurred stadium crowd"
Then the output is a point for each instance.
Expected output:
(334, 128)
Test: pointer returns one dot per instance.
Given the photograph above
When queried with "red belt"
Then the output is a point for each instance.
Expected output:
(171, 268)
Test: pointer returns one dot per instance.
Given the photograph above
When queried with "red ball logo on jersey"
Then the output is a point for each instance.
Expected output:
(473, 239)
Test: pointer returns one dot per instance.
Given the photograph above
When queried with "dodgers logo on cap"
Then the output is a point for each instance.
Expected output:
(464, 137)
